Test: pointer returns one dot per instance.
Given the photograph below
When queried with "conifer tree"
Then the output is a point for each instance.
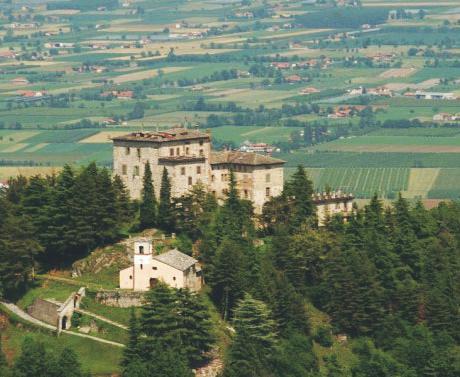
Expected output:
(234, 217)
(300, 190)
(159, 318)
(123, 204)
(148, 205)
(18, 252)
(68, 364)
(165, 207)
(57, 237)
(33, 360)
(226, 280)
(255, 339)
(194, 326)
(107, 202)
(132, 349)
(84, 208)
(166, 361)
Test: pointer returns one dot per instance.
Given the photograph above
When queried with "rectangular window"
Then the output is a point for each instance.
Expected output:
(190, 181)
(198, 170)
(267, 178)
(187, 150)
(154, 268)
(139, 152)
(267, 191)
(124, 169)
(213, 178)
(128, 150)
(136, 171)
(177, 151)
(171, 152)
(182, 171)
(246, 194)
(201, 153)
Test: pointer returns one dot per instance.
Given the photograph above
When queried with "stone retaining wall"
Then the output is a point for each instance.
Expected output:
(120, 299)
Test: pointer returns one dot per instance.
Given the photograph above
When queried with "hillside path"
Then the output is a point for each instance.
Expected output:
(26, 317)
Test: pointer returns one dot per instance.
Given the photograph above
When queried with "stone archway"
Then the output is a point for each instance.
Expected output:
(64, 321)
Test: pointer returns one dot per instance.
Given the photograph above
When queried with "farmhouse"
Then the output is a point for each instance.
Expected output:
(187, 156)
(173, 268)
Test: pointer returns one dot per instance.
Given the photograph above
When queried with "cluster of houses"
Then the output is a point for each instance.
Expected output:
(446, 117)
(312, 63)
(262, 148)
(381, 91)
(309, 90)
(119, 94)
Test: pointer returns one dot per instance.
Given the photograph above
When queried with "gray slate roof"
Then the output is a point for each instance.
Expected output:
(176, 259)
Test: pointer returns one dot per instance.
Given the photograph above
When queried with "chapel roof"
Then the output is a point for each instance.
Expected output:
(176, 259)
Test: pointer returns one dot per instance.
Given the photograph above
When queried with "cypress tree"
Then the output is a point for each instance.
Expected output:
(148, 205)
(132, 349)
(165, 207)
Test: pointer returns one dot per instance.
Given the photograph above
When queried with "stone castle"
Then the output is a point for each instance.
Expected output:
(188, 158)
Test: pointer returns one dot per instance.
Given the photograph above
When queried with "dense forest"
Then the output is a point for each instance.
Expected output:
(387, 277)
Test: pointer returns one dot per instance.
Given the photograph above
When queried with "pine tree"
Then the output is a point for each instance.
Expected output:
(255, 339)
(57, 238)
(167, 362)
(132, 349)
(148, 205)
(84, 208)
(33, 361)
(165, 207)
(108, 224)
(159, 318)
(300, 190)
(234, 218)
(226, 279)
(68, 364)
(123, 203)
(194, 326)
(18, 252)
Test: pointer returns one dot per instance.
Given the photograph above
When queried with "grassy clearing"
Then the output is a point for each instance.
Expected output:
(46, 289)
(100, 359)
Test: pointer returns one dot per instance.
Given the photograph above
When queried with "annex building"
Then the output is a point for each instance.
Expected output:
(189, 159)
